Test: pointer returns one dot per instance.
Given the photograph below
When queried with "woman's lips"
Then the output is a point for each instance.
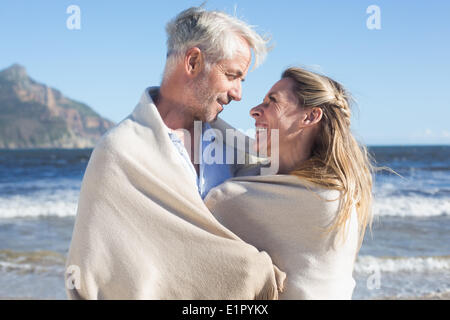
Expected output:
(262, 131)
(262, 137)
(260, 125)
(261, 128)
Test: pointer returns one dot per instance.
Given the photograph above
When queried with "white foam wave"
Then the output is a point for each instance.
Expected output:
(59, 197)
(407, 206)
(31, 262)
(370, 264)
(61, 203)
(29, 268)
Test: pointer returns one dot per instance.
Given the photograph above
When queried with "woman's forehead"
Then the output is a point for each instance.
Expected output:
(283, 89)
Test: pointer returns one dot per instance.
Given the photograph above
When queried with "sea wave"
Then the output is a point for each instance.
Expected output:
(371, 264)
(59, 197)
(31, 262)
(411, 206)
(63, 203)
(39, 185)
(60, 203)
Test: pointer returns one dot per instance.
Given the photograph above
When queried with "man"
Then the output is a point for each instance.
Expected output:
(142, 230)
(197, 83)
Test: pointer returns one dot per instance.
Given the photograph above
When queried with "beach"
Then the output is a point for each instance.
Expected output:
(405, 256)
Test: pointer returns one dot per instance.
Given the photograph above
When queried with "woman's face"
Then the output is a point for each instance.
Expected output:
(280, 110)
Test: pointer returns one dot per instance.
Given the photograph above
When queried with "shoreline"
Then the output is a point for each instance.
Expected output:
(431, 296)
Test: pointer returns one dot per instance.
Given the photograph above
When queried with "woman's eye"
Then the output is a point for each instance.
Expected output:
(268, 101)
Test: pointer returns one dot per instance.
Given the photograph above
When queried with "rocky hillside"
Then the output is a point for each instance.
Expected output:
(33, 115)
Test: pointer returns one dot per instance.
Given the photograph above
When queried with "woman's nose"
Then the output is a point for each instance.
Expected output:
(256, 112)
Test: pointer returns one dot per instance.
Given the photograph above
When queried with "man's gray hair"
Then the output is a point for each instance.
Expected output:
(215, 33)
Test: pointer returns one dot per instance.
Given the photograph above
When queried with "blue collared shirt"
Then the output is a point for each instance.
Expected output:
(211, 173)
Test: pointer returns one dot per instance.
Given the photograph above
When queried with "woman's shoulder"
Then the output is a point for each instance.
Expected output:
(275, 189)
(280, 182)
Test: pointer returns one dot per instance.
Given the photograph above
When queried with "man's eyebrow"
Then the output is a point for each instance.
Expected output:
(274, 94)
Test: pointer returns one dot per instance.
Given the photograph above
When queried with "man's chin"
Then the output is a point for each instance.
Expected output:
(212, 118)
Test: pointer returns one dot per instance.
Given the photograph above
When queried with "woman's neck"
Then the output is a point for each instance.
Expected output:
(291, 162)
(292, 155)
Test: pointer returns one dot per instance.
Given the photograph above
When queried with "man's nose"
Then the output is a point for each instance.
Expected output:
(256, 112)
(236, 91)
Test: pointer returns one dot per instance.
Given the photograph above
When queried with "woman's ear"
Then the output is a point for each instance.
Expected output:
(193, 61)
(313, 116)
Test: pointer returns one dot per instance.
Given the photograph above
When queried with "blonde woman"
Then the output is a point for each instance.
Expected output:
(311, 216)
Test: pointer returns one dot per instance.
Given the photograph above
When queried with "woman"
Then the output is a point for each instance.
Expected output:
(312, 215)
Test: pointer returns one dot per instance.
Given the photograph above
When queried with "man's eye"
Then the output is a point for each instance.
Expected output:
(272, 99)
(231, 76)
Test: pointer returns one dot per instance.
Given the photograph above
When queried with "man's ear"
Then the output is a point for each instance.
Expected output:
(312, 116)
(193, 61)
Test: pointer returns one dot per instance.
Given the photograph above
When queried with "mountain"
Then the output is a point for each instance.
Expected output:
(33, 115)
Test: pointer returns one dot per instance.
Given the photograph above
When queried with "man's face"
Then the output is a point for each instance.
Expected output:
(219, 84)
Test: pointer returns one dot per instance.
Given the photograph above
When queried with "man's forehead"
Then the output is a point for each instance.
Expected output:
(240, 63)
(243, 54)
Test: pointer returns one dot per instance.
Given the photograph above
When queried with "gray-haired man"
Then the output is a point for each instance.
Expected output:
(209, 54)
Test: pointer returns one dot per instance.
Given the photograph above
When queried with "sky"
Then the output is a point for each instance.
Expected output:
(395, 64)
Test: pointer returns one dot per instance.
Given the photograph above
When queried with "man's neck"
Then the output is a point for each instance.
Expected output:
(174, 113)
(175, 118)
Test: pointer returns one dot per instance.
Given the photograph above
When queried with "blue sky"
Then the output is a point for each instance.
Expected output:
(400, 74)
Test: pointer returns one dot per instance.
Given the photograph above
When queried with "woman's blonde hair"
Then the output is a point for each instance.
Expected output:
(337, 160)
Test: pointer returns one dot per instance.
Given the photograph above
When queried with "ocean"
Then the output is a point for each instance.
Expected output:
(406, 255)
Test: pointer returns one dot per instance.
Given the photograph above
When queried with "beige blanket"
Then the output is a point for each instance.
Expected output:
(142, 230)
(279, 214)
